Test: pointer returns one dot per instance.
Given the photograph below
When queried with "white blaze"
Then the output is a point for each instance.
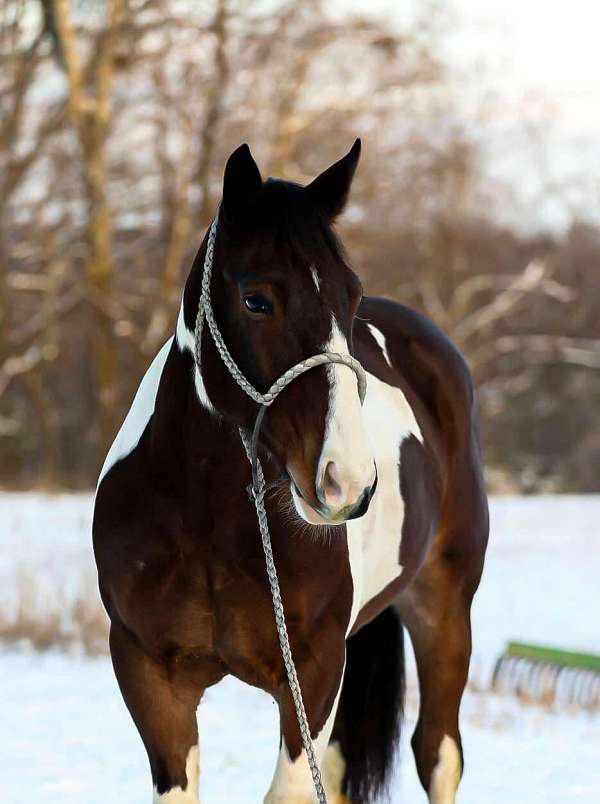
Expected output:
(345, 443)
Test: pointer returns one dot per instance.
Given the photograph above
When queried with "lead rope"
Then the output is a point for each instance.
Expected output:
(250, 442)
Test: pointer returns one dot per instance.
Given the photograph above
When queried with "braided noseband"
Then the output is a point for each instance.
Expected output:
(250, 442)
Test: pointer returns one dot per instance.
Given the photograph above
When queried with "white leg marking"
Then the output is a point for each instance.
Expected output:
(178, 795)
(374, 539)
(380, 338)
(292, 782)
(187, 340)
(334, 768)
(139, 414)
(446, 774)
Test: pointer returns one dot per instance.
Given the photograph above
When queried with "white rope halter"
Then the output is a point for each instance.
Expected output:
(250, 442)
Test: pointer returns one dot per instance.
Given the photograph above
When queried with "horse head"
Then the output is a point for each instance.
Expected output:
(282, 291)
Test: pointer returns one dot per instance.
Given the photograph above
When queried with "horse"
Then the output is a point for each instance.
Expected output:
(377, 511)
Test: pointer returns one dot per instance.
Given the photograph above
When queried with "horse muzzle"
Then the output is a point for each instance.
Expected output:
(336, 502)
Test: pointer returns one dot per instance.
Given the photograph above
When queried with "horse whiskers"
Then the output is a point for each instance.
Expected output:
(318, 533)
(279, 494)
(299, 527)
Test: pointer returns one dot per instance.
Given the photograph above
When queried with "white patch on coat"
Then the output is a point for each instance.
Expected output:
(139, 413)
(446, 774)
(292, 781)
(374, 540)
(315, 277)
(381, 342)
(144, 401)
(334, 770)
(177, 795)
(186, 339)
(345, 442)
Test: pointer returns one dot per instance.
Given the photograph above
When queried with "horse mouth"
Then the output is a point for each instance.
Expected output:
(312, 514)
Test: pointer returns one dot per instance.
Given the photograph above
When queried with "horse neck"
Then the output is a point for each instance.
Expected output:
(184, 420)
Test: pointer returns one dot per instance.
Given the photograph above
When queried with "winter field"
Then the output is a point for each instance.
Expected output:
(67, 737)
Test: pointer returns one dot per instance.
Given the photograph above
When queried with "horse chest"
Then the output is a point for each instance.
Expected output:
(375, 541)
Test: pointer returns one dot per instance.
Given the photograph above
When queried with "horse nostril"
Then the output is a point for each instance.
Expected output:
(332, 489)
(362, 505)
(373, 488)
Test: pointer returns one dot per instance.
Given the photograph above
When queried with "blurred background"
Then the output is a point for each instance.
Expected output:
(477, 201)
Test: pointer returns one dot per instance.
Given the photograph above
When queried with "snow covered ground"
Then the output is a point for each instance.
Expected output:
(67, 738)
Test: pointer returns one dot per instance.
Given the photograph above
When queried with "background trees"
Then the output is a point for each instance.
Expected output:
(116, 119)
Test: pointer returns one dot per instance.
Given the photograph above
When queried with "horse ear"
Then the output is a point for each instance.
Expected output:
(330, 190)
(241, 184)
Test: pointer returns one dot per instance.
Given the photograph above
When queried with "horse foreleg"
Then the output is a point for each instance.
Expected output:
(320, 680)
(436, 611)
(163, 707)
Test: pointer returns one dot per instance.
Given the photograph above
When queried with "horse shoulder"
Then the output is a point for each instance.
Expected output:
(144, 551)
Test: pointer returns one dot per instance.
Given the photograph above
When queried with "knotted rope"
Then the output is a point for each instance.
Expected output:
(250, 442)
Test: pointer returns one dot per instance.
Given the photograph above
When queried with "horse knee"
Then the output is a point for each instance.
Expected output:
(164, 710)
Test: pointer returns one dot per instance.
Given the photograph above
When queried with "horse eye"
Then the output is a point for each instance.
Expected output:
(258, 304)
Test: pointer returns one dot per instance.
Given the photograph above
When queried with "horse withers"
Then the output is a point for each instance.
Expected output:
(377, 513)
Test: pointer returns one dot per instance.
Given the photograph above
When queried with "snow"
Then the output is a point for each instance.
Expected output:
(67, 736)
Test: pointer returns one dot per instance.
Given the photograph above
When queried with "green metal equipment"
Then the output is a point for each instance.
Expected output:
(547, 675)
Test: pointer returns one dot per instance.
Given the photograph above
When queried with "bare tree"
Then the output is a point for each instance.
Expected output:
(89, 105)
(115, 124)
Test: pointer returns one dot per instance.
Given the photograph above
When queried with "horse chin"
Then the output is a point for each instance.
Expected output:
(307, 512)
